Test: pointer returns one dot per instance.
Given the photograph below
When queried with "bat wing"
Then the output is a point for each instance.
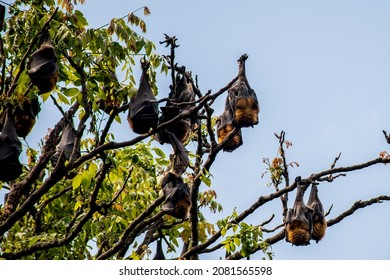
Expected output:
(298, 226)
(66, 144)
(159, 251)
(43, 68)
(243, 99)
(143, 110)
(10, 149)
(180, 156)
(181, 129)
(185, 91)
(319, 222)
(177, 196)
(25, 116)
(2, 16)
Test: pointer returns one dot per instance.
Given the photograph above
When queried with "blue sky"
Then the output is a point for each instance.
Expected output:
(321, 71)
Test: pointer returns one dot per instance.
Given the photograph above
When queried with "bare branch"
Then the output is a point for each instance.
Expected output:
(264, 199)
(335, 161)
(357, 205)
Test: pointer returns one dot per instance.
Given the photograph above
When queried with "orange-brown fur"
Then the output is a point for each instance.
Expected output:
(223, 132)
(182, 130)
(109, 104)
(24, 124)
(319, 228)
(246, 113)
(298, 233)
(182, 208)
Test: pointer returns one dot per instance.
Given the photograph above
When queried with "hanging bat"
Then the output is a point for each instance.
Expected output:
(10, 149)
(159, 251)
(298, 223)
(181, 129)
(2, 16)
(25, 116)
(319, 222)
(66, 144)
(224, 127)
(43, 68)
(177, 196)
(111, 101)
(179, 159)
(143, 111)
(184, 90)
(244, 103)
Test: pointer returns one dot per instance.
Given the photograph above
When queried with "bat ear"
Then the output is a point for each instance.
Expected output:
(43, 68)
(10, 149)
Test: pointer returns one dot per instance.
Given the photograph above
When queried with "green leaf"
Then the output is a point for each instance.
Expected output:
(206, 180)
(76, 182)
(148, 48)
(77, 205)
(71, 91)
(118, 119)
(159, 152)
(80, 21)
(62, 98)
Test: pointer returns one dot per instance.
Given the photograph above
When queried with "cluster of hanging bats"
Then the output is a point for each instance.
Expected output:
(302, 222)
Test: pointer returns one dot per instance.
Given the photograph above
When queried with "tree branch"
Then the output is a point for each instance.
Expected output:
(136, 223)
(280, 236)
(58, 242)
(265, 199)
